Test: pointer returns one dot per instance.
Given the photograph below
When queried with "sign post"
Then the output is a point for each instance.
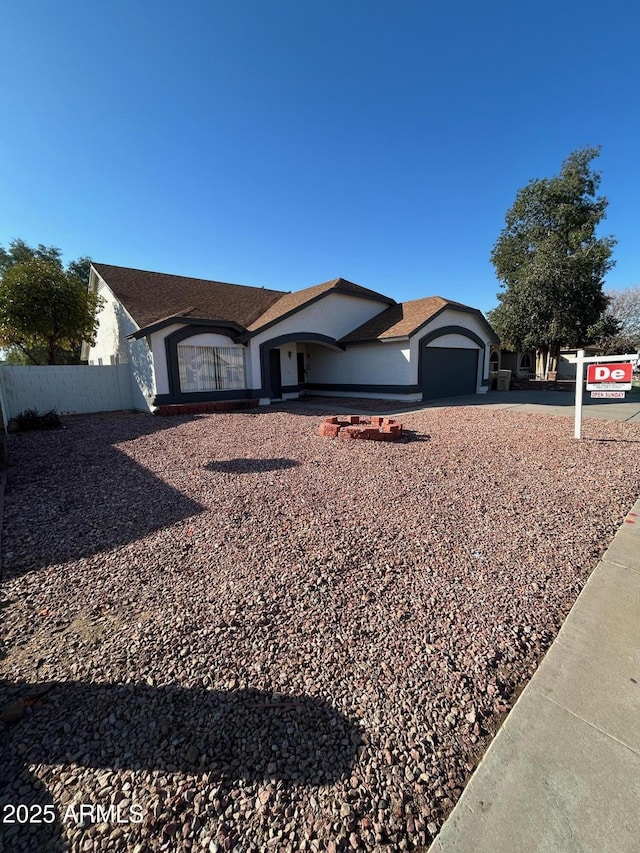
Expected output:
(577, 426)
(607, 376)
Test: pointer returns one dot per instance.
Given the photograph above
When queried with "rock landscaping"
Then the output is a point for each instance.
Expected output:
(223, 632)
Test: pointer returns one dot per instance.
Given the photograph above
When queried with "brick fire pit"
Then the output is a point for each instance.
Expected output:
(354, 426)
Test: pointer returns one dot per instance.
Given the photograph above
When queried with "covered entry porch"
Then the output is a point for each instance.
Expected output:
(287, 363)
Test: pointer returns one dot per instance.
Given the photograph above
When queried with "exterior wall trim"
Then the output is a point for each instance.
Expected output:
(225, 326)
(474, 312)
(369, 389)
(205, 396)
(453, 330)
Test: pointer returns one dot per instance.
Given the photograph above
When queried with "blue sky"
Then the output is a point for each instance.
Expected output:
(281, 143)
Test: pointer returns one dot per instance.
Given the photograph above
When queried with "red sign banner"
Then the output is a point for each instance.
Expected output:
(620, 372)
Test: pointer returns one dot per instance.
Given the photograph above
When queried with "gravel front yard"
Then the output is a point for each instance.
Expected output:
(249, 638)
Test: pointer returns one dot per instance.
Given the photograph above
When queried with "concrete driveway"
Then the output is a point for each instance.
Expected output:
(548, 403)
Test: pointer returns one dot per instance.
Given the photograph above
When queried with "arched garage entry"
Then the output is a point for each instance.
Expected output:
(449, 371)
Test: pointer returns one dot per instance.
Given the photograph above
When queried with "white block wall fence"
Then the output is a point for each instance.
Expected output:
(65, 388)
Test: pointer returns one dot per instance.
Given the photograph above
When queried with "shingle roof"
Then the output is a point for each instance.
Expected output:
(152, 296)
(293, 301)
(398, 320)
(402, 320)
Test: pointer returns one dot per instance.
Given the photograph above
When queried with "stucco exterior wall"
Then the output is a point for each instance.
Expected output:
(289, 366)
(456, 341)
(362, 364)
(115, 324)
(142, 377)
(334, 315)
(450, 317)
(378, 364)
(113, 347)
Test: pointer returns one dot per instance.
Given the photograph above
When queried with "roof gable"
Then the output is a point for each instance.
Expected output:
(289, 303)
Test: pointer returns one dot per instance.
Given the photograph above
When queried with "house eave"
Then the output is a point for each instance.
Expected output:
(474, 312)
(237, 329)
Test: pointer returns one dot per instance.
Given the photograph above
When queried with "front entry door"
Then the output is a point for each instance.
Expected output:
(275, 375)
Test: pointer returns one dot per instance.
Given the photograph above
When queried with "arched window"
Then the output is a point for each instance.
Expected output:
(525, 364)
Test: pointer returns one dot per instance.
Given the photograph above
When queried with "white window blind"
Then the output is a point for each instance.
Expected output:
(210, 368)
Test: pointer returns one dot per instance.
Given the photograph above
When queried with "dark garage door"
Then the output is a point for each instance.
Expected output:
(447, 372)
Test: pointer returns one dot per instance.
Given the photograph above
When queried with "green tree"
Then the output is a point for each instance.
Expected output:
(19, 252)
(46, 311)
(551, 264)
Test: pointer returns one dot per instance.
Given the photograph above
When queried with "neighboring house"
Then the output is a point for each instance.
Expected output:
(190, 340)
(521, 364)
(567, 364)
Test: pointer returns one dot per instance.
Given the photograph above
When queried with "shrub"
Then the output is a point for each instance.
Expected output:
(32, 419)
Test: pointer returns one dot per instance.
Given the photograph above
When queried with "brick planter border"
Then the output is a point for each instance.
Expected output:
(356, 427)
(203, 408)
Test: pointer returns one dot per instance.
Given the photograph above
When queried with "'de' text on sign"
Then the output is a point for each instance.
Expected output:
(609, 377)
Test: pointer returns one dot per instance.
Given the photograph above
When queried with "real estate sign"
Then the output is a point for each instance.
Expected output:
(609, 377)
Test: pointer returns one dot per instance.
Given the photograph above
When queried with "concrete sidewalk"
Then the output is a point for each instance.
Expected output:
(563, 773)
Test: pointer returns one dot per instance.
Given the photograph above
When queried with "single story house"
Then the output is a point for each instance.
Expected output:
(190, 340)
(568, 362)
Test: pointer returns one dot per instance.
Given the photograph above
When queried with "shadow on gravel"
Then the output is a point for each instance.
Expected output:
(241, 735)
(250, 466)
(306, 405)
(612, 440)
(76, 481)
(409, 435)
